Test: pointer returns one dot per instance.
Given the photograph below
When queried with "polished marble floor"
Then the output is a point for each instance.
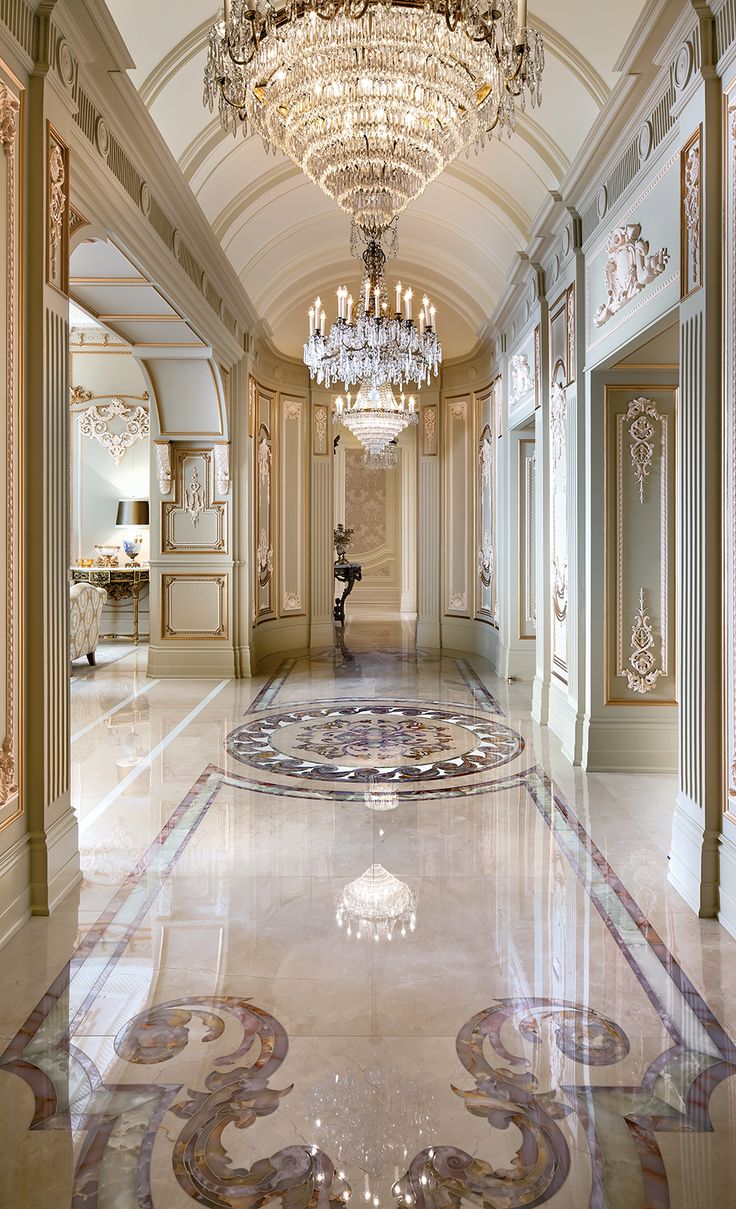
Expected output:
(355, 930)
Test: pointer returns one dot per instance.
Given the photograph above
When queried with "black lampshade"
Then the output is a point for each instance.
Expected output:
(132, 512)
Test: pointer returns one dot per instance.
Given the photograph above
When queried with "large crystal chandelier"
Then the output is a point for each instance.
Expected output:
(376, 417)
(375, 904)
(373, 342)
(372, 99)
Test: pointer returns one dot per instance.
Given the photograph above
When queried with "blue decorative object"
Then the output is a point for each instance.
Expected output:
(131, 548)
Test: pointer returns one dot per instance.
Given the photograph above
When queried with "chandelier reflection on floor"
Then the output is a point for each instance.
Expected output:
(376, 905)
(375, 417)
(372, 99)
(374, 341)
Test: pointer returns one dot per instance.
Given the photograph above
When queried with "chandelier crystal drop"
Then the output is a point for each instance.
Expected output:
(376, 417)
(375, 904)
(372, 341)
(372, 99)
(387, 459)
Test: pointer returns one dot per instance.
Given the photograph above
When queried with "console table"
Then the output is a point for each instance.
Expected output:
(120, 583)
(348, 574)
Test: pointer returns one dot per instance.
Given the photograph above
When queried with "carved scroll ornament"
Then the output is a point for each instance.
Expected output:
(163, 467)
(194, 503)
(643, 673)
(521, 377)
(630, 268)
(57, 203)
(222, 469)
(94, 423)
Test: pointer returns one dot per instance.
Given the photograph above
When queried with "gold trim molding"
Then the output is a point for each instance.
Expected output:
(168, 633)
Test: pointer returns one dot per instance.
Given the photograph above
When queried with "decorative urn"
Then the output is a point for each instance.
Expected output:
(342, 539)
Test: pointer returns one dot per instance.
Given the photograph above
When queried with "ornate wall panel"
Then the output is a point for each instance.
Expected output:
(640, 530)
(527, 539)
(293, 512)
(459, 455)
(486, 528)
(320, 430)
(193, 523)
(264, 486)
(10, 445)
(429, 435)
(194, 606)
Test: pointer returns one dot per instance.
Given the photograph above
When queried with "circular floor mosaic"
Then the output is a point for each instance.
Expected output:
(376, 742)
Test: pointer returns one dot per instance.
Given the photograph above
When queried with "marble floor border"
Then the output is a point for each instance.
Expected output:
(702, 1054)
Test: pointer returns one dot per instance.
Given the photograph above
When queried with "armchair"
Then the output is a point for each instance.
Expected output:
(85, 604)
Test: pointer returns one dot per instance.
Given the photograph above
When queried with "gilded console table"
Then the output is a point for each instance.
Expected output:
(348, 574)
(120, 583)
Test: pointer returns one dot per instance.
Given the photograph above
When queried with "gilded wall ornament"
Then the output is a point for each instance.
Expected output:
(629, 269)
(486, 560)
(94, 423)
(264, 462)
(691, 213)
(79, 394)
(429, 415)
(558, 421)
(638, 417)
(194, 503)
(163, 466)
(643, 675)
(521, 377)
(458, 409)
(222, 469)
(265, 559)
(57, 207)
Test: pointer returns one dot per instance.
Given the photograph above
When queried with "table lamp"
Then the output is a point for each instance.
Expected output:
(132, 514)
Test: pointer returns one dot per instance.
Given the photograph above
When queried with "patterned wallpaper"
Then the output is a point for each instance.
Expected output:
(365, 504)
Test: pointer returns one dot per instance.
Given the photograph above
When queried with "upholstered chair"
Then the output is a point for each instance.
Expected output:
(85, 601)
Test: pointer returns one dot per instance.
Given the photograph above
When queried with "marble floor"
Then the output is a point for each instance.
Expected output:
(355, 930)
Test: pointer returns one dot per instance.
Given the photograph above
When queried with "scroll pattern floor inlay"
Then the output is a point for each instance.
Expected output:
(202, 1081)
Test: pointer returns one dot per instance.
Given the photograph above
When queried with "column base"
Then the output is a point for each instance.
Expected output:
(565, 722)
(694, 859)
(540, 701)
(644, 743)
(321, 633)
(428, 634)
(54, 863)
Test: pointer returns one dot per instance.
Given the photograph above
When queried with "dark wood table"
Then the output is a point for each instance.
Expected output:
(348, 574)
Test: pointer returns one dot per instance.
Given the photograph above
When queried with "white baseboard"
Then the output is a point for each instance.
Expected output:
(321, 633)
(540, 701)
(179, 660)
(693, 868)
(474, 637)
(516, 662)
(429, 635)
(631, 740)
(277, 637)
(54, 862)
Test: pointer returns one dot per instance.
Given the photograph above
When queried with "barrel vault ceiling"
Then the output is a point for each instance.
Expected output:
(287, 241)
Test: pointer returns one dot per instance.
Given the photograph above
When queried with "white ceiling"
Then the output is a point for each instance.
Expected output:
(287, 241)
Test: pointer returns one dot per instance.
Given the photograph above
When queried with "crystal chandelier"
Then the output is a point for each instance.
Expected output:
(369, 343)
(375, 418)
(372, 99)
(375, 904)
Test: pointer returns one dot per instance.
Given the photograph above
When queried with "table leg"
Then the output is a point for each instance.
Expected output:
(136, 594)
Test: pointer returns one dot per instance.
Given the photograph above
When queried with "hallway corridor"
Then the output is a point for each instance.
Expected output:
(355, 925)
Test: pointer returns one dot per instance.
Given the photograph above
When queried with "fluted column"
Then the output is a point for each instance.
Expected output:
(429, 531)
(543, 589)
(52, 824)
(241, 479)
(322, 524)
(693, 858)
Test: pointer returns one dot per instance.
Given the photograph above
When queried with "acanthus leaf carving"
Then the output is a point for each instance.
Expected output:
(265, 559)
(641, 430)
(458, 602)
(558, 421)
(9, 108)
(644, 673)
(521, 377)
(292, 602)
(194, 503)
(629, 269)
(691, 212)
(94, 423)
(559, 588)
(222, 469)
(486, 560)
(57, 204)
(163, 466)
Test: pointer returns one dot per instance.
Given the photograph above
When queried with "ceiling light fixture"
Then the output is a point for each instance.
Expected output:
(376, 417)
(375, 904)
(372, 99)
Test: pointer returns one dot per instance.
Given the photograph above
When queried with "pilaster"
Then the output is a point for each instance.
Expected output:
(322, 515)
(697, 822)
(429, 527)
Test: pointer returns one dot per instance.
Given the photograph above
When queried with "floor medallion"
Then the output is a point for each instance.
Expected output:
(376, 741)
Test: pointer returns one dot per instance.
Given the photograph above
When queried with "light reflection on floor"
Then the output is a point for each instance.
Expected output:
(354, 930)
